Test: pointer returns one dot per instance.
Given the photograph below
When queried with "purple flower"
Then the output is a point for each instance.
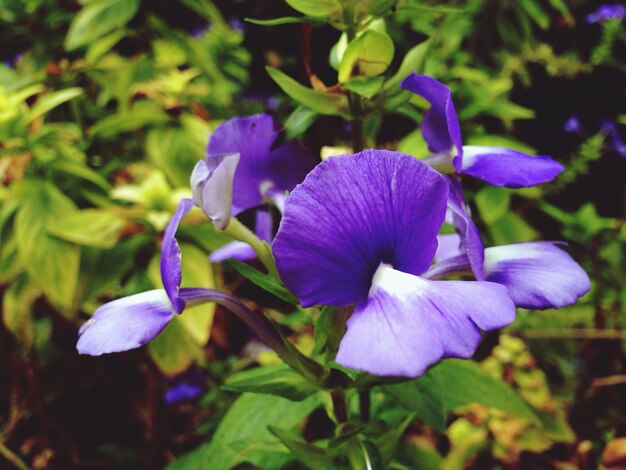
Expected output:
(573, 125)
(495, 165)
(537, 275)
(361, 229)
(607, 12)
(133, 321)
(242, 170)
(618, 144)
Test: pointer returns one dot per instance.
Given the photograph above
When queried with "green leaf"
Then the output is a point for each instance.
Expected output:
(493, 203)
(464, 382)
(299, 121)
(80, 170)
(321, 102)
(277, 380)
(364, 86)
(243, 434)
(17, 309)
(284, 20)
(172, 351)
(50, 101)
(330, 328)
(51, 263)
(423, 397)
(370, 54)
(98, 18)
(91, 227)
(147, 114)
(413, 61)
(318, 8)
(264, 281)
(311, 456)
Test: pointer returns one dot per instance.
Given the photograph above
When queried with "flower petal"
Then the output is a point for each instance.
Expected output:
(126, 323)
(449, 246)
(236, 250)
(212, 186)
(538, 274)
(252, 137)
(171, 273)
(409, 323)
(471, 241)
(440, 127)
(509, 168)
(351, 213)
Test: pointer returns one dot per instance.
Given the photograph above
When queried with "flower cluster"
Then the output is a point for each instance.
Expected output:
(362, 231)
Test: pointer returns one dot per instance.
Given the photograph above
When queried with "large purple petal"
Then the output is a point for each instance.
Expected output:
(171, 273)
(353, 212)
(471, 242)
(440, 127)
(538, 274)
(252, 138)
(212, 186)
(126, 323)
(509, 168)
(409, 323)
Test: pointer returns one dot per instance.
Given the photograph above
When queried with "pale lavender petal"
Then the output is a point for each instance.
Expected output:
(538, 274)
(471, 241)
(509, 168)
(236, 250)
(252, 138)
(449, 246)
(409, 323)
(264, 225)
(212, 186)
(440, 127)
(353, 212)
(171, 273)
(126, 323)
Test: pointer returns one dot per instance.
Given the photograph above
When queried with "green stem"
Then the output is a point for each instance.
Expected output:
(339, 405)
(364, 404)
(238, 231)
(13, 457)
(356, 108)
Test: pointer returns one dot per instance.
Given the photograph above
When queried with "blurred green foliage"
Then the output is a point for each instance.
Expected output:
(106, 106)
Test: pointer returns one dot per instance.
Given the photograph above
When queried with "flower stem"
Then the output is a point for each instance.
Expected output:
(12, 457)
(339, 405)
(364, 404)
(238, 231)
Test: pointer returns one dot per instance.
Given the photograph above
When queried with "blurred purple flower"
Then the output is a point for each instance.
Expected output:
(14, 60)
(607, 12)
(361, 229)
(573, 125)
(618, 144)
(495, 165)
(186, 386)
(236, 24)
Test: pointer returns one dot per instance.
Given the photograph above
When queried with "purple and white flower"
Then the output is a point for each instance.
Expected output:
(361, 230)
(495, 165)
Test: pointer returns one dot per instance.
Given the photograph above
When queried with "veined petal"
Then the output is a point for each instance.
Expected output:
(538, 274)
(212, 186)
(236, 250)
(351, 213)
(440, 127)
(171, 274)
(252, 138)
(509, 168)
(126, 323)
(409, 323)
(449, 246)
(471, 241)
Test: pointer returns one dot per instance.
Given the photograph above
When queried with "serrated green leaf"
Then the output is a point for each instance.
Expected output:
(321, 102)
(277, 380)
(423, 397)
(91, 227)
(264, 281)
(369, 54)
(243, 434)
(98, 18)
